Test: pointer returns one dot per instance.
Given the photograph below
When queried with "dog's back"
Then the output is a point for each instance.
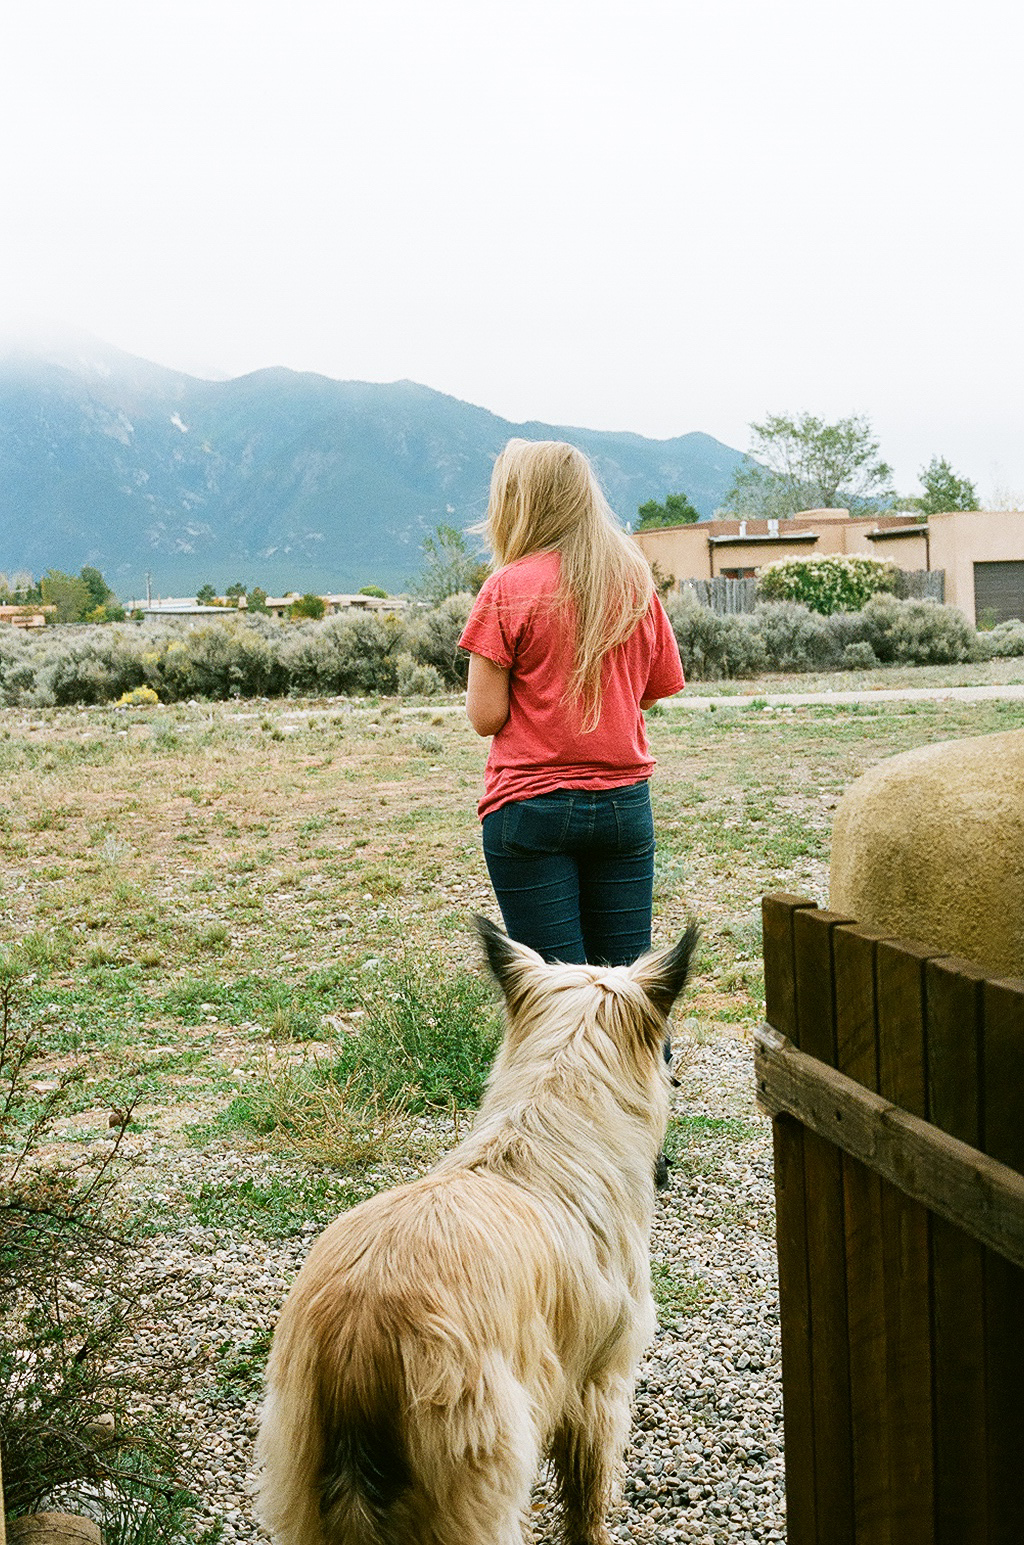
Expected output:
(441, 1337)
(397, 1387)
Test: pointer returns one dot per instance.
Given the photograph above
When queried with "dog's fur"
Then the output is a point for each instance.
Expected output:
(444, 1337)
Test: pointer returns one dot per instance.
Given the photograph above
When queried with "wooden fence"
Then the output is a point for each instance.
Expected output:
(729, 596)
(895, 1077)
(722, 595)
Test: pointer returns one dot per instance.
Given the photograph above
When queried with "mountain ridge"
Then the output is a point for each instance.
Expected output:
(286, 479)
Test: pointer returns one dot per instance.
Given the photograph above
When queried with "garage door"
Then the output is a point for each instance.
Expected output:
(998, 591)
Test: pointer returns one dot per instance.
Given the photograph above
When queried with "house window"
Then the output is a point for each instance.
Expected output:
(738, 573)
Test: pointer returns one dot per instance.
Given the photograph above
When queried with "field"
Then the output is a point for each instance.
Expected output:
(248, 925)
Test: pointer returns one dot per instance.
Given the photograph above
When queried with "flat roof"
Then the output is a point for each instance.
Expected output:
(735, 540)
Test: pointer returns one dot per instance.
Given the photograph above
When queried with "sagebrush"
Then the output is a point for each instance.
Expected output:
(82, 1419)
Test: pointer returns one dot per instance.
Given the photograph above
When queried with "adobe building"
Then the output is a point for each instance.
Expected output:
(981, 552)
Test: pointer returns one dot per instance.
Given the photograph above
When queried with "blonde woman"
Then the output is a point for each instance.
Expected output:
(568, 643)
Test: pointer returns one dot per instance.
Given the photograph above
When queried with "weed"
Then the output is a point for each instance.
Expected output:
(214, 937)
(425, 1032)
(678, 1295)
(98, 957)
(240, 1369)
(277, 1207)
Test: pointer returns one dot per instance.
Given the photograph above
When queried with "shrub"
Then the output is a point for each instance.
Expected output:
(138, 697)
(834, 582)
(347, 654)
(434, 638)
(416, 680)
(92, 665)
(1006, 638)
(17, 668)
(234, 658)
(918, 632)
(858, 657)
(714, 646)
(795, 638)
(77, 1298)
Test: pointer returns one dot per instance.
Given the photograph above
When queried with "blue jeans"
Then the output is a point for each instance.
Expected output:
(573, 872)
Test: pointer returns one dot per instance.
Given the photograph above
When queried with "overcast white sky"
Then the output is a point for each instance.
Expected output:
(657, 215)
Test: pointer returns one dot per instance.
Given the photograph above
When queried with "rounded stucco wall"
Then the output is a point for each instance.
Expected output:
(930, 846)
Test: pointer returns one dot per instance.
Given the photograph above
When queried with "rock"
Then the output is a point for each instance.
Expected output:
(53, 1529)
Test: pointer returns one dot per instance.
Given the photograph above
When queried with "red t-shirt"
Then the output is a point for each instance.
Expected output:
(541, 746)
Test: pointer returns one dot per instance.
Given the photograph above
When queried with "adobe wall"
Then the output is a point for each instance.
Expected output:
(961, 539)
(929, 845)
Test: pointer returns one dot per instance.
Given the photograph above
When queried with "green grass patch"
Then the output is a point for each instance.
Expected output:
(283, 1005)
(678, 1294)
(240, 1369)
(427, 1034)
(276, 1208)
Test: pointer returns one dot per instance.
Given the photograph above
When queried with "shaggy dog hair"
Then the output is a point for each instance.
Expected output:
(445, 1337)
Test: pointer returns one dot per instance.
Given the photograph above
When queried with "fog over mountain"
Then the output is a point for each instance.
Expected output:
(286, 480)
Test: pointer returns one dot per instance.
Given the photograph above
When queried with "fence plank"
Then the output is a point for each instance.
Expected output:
(826, 1243)
(791, 1236)
(906, 1253)
(857, 1057)
(1003, 1139)
(953, 1007)
(975, 1194)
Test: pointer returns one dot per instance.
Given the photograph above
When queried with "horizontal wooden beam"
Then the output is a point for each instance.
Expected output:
(979, 1195)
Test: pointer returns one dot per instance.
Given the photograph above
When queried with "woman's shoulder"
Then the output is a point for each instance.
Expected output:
(532, 575)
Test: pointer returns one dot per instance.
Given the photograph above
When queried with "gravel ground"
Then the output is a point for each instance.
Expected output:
(705, 1457)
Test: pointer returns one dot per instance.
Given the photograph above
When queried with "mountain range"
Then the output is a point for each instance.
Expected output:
(281, 479)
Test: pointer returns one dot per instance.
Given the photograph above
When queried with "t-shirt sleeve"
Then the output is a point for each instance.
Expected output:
(665, 676)
(485, 632)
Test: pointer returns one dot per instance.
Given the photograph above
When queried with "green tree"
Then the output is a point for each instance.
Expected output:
(257, 600)
(69, 593)
(308, 605)
(206, 596)
(803, 463)
(451, 566)
(235, 592)
(98, 588)
(676, 511)
(105, 605)
(374, 590)
(943, 489)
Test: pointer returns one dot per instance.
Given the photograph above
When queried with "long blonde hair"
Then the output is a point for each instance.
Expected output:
(545, 497)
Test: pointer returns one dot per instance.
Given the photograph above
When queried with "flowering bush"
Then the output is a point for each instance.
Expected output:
(138, 697)
(835, 582)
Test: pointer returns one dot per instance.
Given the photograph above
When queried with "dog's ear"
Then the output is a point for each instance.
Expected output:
(663, 976)
(509, 962)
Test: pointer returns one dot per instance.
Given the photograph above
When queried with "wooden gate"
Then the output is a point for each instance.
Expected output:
(895, 1077)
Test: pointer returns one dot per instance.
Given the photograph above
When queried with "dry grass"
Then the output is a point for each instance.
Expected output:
(189, 885)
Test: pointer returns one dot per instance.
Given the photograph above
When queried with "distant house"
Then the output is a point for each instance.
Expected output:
(280, 606)
(172, 610)
(175, 609)
(26, 616)
(981, 552)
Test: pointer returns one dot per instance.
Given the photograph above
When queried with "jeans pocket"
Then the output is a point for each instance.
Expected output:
(535, 825)
(633, 819)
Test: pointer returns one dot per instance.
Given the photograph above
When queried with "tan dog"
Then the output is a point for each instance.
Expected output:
(442, 1338)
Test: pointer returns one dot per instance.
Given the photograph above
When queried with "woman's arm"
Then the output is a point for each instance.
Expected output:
(486, 695)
